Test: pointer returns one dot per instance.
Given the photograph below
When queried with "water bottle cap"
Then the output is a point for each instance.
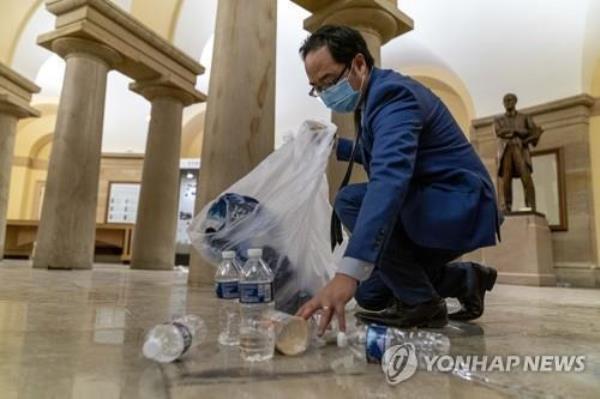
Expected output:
(342, 340)
(228, 254)
(255, 252)
(151, 348)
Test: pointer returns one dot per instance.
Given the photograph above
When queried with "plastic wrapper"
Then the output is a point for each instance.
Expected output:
(283, 207)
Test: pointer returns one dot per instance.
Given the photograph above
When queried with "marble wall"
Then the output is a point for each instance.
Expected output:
(113, 168)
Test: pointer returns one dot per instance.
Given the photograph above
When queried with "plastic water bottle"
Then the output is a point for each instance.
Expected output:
(257, 333)
(227, 290)
(170, 341)
(331, 333)
(369, 342)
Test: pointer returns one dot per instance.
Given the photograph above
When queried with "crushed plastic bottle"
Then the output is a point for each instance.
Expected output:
(370, 342)
(257, 333)
(170, 341)
(227, 291)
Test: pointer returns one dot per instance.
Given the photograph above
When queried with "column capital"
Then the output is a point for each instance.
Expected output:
(15, 94)
(10, 105)
(380, 17)
(142, 54)
(159, 88)
(68, 46)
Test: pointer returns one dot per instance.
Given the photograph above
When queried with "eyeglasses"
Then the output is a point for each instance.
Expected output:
(316, 91)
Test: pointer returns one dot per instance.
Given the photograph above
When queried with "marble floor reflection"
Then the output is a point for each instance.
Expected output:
(77, 334)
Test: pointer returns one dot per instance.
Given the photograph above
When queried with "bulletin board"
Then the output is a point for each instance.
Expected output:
(122, 202)
(550, 192)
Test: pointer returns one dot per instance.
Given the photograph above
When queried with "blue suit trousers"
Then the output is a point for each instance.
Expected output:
(405, 271)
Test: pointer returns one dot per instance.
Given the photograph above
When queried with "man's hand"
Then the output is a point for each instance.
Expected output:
(331, 299)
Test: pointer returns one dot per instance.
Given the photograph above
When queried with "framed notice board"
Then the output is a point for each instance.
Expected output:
(550, 189)
(122, 203)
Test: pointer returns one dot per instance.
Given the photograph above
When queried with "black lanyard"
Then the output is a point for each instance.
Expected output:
(336, 225)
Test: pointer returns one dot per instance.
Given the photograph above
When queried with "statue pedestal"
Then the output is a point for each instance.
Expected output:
(524, 256)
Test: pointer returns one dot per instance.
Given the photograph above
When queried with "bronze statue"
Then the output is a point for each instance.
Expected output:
(516, 132)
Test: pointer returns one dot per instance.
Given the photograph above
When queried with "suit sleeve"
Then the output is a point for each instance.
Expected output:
(396, 123)
(355, 268)
(343, 150)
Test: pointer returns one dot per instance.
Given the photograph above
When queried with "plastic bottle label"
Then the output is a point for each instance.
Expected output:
(375, 347)
(256, 292)
(227, 290)
(185, 334)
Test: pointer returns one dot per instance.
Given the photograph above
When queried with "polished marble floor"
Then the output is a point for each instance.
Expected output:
(77, 334)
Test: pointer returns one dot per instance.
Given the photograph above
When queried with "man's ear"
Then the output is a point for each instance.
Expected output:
(361, 62)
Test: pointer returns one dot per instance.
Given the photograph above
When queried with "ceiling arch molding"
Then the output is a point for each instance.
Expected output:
(40, 144)
(591, 50)
(595, 88)
(174, 21)
(45, 109)
(448, 78)
(28, 134)
(451, 90)
(33, 6)
(192, 135)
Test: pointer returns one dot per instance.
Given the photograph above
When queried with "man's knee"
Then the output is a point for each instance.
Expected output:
(368, 301)
(373, 294)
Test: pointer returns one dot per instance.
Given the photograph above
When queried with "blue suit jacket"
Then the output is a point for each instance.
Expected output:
(422, 170)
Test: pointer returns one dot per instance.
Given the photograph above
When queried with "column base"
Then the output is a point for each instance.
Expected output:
(201, 283)
(151, 265)
(43, 265)
(524, 257)
(201, 271)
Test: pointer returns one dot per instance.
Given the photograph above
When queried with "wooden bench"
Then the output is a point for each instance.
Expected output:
(20, 236)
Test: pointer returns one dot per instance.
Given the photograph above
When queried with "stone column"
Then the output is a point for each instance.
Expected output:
(8, 128)
(15, 95)
(66, 233)
(156, 225)
(240, 113)
(379, 21)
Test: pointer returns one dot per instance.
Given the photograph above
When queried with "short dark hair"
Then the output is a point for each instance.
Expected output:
(343, 42)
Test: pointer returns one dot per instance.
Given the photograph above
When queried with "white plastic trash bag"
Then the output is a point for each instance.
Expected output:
(283, 207)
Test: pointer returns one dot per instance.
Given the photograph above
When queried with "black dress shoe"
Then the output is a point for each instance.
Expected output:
(431, 314)
(479, 280)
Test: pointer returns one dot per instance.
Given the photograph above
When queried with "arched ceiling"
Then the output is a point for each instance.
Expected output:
(191, 136)
(543, 50)
(195, 25)
(15, 15)
(591, 48)
(533, 48)
(595, 85)
(161, 15)
(27, 57)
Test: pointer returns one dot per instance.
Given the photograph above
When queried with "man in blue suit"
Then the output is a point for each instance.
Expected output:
(428, 200)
